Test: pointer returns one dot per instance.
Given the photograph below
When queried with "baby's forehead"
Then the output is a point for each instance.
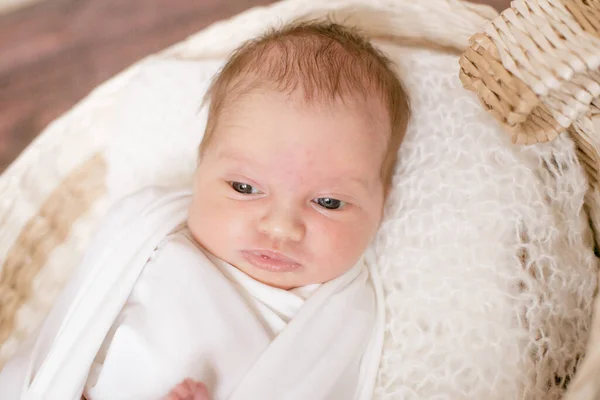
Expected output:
(297, 148)
(298, 173)
(266, 99)
(292, 113)
(274, 131)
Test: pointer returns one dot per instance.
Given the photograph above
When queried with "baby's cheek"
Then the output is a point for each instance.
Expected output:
(226, 227)
(206, 224)
(238, 227)
(340, 247)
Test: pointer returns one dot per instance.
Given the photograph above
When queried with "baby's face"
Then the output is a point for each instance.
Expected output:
(289, 193)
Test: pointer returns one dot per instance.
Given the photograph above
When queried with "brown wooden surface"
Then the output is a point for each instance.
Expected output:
(54, 52)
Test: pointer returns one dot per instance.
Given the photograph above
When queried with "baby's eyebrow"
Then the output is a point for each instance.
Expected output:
(227, 155)
(351, 178)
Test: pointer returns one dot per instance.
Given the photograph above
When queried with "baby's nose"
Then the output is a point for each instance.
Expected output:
(282, 224)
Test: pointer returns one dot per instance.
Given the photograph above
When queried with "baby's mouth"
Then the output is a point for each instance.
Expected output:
(270, 260)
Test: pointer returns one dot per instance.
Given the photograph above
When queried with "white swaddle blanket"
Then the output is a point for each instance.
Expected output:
(201, 318)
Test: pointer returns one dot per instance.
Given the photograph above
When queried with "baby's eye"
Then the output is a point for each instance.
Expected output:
(329, 203)
(243, 188)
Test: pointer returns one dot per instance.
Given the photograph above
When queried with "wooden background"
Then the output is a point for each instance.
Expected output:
(54, 52)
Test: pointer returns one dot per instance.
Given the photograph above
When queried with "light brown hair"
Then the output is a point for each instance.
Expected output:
(323, 60)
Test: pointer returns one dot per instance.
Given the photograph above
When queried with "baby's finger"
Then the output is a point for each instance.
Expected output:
(180, 392)
(200, 391)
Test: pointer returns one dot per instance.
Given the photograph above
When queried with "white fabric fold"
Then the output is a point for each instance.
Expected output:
(320, 342)
(273, 306)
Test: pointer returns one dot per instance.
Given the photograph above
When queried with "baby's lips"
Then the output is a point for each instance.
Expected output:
(273, 255)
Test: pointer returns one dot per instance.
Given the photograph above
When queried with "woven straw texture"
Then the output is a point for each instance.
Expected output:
(485, 249)
(535, 68)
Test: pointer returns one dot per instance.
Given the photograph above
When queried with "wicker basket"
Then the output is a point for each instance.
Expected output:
(536, 69)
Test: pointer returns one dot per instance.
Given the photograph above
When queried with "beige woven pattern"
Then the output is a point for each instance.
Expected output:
(536, 66)
(46, 230)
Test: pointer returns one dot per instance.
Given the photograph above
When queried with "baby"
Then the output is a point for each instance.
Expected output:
(265, 292)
